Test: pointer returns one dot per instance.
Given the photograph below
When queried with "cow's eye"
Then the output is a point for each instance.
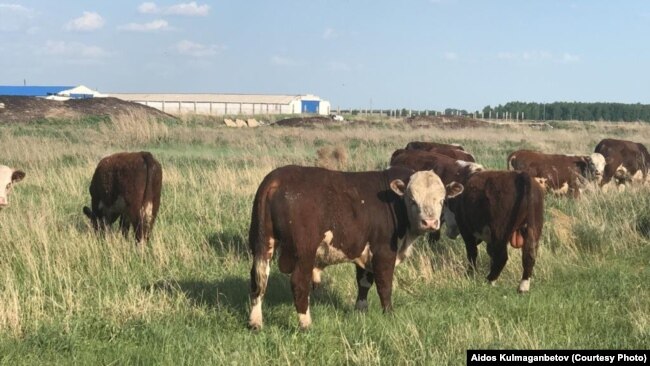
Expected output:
(8, 186)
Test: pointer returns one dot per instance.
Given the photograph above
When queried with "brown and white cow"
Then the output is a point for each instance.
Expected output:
(559, 174)
(317, 217)
(126, 186)
(498, 207)
(626, 161)
(8, 177)
(452, 150)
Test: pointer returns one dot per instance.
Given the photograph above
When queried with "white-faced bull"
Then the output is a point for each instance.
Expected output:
(317, 217)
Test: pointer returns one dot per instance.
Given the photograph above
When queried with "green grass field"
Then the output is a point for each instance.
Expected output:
(70, 297)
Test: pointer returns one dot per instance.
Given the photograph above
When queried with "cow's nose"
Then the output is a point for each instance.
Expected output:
(3, 201)
(431, 224)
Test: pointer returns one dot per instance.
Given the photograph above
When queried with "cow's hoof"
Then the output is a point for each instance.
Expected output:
(524, 286)
(304, 321)
(361, 305)
(255, 326)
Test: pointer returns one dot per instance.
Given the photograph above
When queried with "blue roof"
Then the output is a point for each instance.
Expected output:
(32, 91)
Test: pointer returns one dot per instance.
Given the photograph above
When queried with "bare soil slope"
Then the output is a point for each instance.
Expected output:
(27, 109)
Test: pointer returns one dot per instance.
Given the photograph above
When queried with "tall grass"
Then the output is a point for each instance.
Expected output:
(69, 296)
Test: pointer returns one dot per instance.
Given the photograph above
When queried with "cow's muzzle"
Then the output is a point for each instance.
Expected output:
(432, 225)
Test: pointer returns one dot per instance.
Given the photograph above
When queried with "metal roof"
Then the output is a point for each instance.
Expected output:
(32, 91)
(215, 98)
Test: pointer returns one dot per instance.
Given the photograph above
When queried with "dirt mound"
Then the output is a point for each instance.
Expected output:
(453, 122)
(305, 121)
(26, 109)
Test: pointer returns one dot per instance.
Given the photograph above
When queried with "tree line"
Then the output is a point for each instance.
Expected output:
(570, 111)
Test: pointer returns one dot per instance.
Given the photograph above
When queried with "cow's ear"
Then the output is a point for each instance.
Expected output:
(88, 212)
(17, 176)
(454, 189)
(398, 187)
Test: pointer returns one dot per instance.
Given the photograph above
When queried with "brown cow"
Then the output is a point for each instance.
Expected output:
(447, 168)
(626, 161)
(421, 145)
(126, 185)
(498, 207)
(317, 217)
(559, 174)
(452, 150)
(8, 177)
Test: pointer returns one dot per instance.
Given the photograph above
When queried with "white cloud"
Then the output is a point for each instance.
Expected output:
(569, 58)
(148, 8)
(187, 9)
(451, 56)
(89, 21)
(283, 61)
(194, 49)
(191, 9)
(73, 49)
(538, 56)
(156, 25)
(15, 17)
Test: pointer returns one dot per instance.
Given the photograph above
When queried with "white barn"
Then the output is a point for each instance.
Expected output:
(230, 104)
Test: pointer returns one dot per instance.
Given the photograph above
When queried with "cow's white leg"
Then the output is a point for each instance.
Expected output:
(259, 278)
(524, 286)
(304, 320)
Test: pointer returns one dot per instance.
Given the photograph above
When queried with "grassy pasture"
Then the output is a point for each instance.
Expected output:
(70, 297)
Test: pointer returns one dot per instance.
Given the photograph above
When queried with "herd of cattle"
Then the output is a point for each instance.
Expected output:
(315, 217)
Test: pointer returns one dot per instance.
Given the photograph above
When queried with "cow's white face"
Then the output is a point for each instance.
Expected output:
(598, 161)
(8, 177)
(424, 198)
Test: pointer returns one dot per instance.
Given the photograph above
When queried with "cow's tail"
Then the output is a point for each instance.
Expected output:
(262, 246)
(147, 215)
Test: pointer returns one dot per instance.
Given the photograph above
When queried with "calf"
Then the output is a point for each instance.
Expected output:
(8, 177)
(126, 185)
(626, 161)
(559, 174)
(317, 217)
(498, 207)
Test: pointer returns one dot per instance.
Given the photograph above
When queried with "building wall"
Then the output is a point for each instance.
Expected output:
(220, 109)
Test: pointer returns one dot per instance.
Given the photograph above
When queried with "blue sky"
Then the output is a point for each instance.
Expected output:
(419, 54)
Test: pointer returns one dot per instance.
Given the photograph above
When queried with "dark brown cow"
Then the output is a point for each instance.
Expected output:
(498, 207)
(8, 177)
(626, 161)
(447, 168)
(126, 185)
(421, 145)
(317, 217)
(453, 151)
(559, 174)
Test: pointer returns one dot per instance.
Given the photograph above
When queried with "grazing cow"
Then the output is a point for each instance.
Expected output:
(447, 168)
(8, 177)
(421, 145)
(452, 150)
(498, 207)
(559, 174)
(126, 185)
(317, 217)
(626, 161)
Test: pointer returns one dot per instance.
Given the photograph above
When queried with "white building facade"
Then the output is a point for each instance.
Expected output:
(229, 104)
